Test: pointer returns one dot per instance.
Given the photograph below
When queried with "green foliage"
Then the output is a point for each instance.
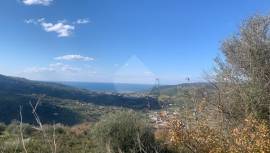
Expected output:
(234, 117)
(60, 103)
(2, 128)
(49, 110)
(247, 66)
(125, 131)
(66, 140)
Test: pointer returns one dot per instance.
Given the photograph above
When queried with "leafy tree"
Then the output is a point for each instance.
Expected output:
(243, 79)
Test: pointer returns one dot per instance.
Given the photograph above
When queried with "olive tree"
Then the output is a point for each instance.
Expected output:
(243, 79)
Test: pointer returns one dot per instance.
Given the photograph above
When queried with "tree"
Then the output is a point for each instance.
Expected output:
(244, 77)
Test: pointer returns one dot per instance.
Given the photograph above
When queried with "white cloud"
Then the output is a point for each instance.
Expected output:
(82, 21)
(74, 58)
(38, 69)
(40, 20)
(37, 2)
(62, 29)
(30, 21)
(64, 67)
(59, 72)
(56, 67)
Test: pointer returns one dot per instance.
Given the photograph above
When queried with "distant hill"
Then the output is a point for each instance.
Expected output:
(176, 97)
(111, 87)
(173, 90)
(16, 92)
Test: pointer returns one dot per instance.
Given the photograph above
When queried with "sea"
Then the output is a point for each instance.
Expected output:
(111, 87)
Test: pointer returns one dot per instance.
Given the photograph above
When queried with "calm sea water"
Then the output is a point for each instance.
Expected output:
(111, 87)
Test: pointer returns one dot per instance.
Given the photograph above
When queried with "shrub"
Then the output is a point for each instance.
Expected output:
(13, 127)
(201, 138)
(124, 131)
(2, 128)
(251, 136)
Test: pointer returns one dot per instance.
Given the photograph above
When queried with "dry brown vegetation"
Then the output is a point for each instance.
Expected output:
(235, 116)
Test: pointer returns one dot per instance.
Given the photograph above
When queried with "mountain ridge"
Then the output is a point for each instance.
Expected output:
(16, 92)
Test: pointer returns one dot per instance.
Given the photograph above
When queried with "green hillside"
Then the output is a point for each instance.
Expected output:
(173, 90)
(60, 103)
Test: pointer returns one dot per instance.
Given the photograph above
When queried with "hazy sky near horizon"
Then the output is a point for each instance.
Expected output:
(131, 41)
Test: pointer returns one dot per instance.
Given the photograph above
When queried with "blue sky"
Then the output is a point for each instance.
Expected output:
(131, 41)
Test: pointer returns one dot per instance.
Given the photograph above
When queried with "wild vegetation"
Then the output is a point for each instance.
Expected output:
(60, 103)
(235, 116)
(228, 114)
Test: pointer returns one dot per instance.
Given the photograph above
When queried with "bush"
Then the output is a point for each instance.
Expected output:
(2, 128)
(251, 135)
(13, 128)
(200, 138)
(124, 131)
